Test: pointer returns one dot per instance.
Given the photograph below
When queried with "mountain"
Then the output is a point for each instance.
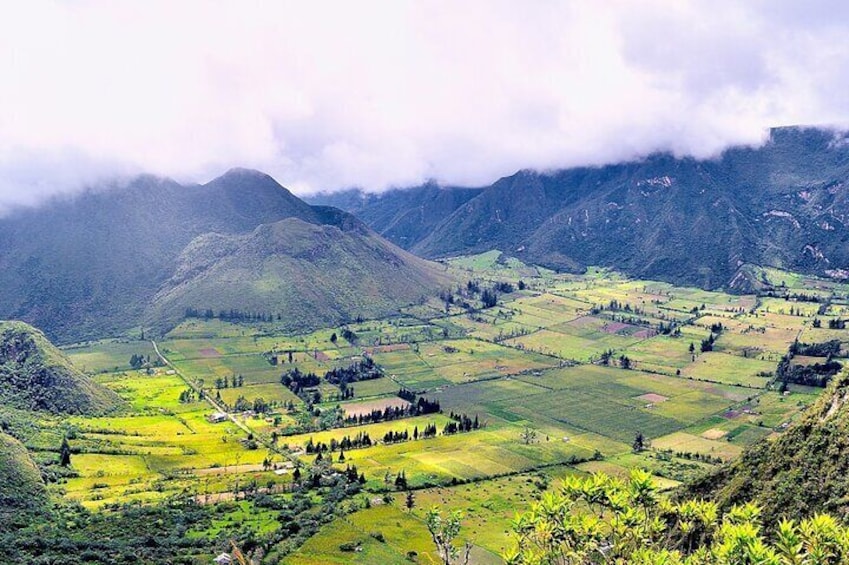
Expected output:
(313, 274)
(35, 375)
(90, 264)
(688, 221)
(22, 491)
(798, 473)
(403, 216)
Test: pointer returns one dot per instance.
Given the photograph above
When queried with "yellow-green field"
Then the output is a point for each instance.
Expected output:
(531, 370)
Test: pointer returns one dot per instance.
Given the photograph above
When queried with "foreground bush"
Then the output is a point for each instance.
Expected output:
(604, 520)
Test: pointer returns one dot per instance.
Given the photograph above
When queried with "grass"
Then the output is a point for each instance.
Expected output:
(525, 363)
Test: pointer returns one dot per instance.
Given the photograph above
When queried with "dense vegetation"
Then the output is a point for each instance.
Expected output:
(23, 497)
(603, 520)
(34, 375)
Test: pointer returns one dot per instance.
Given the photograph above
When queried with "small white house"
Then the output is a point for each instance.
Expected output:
(223, 559)
(216, 418)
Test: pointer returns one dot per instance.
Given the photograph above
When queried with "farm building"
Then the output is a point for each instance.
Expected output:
(216, 417)
(223, 559)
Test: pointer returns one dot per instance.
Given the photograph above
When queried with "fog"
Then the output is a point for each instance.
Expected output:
(331, 95)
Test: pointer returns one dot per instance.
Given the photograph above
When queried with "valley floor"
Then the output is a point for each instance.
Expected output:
(561, 375)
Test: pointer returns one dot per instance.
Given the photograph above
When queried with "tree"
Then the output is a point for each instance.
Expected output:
(65, 453)
(334, 338)
(401, 481)
(443, 532)
(528, 435)
(410, 500)
(639, 442)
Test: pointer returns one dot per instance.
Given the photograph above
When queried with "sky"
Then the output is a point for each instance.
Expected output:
(329, 95)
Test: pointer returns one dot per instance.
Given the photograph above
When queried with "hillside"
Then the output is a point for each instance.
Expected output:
(800, 472)
(403, 216)
(311, 275)
(684, 220)
(21, 488)
(90, 265)
(34, 375)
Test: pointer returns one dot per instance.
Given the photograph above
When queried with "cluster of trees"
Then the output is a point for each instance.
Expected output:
(401, 481)
(188, 396)
(669, 329)
(349, 336)
(460, 423)
(139, 361)
(837, 324)
(699, 457)
(407, 395)
(296, 380)
(599, 519)
(363, 370)
(829, 348)
(815, 374)
(504, 287)
(489, 298)
(421, 407)
(607, 356)
(235, 381)
(232, 315)
(362, 439)
(617, 306)
(258, 405)
(396, 437)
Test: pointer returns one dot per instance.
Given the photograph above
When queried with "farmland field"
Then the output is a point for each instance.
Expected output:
(558, 377)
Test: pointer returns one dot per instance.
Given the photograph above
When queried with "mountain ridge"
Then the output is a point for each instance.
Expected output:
(89, 265)
(684, 220)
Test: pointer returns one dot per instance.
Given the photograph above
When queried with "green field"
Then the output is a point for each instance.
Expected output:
(549, 361)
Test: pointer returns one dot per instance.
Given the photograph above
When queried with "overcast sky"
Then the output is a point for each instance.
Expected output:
(328, 95)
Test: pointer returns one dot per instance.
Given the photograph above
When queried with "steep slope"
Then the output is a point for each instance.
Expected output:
(22, 491)
(800, 472)
(34, 375)
(785, 204)
(306, 275)
(403, 216)
(90, 265)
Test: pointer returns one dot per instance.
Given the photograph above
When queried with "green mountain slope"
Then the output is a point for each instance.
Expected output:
(688, 221)
(90, 265)
(800, 472)
(35, 375)
(403, 216)
(22, 491)
(310, 275)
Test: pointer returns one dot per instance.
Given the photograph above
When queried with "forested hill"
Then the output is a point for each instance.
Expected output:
(798, 473)
(35, 375)
(91, 264)
(689, 221)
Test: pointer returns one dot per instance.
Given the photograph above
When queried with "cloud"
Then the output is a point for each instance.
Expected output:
(328, 95)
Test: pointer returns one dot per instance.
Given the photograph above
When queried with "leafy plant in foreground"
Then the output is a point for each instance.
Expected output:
(599, 519)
